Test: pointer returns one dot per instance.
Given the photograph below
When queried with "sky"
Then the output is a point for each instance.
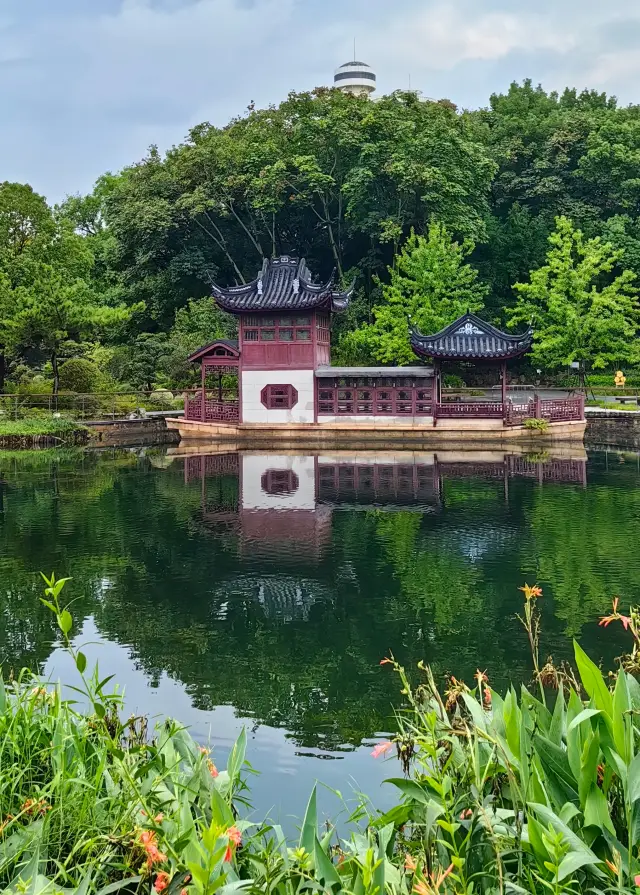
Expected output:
(88, 85)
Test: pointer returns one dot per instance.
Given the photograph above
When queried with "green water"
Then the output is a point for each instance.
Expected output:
(263, 591)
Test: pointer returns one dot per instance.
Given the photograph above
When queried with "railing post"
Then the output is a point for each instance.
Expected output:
(537, 407)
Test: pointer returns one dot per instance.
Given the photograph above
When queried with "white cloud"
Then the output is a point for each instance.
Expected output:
(85, 91)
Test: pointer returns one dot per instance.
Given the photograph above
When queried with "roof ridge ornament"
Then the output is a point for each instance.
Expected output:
(296, 286)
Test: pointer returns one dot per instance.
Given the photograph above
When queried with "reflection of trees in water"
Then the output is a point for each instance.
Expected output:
(301, 648)
(584, 544)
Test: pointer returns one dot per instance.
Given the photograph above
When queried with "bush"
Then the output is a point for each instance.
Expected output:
(79, 375)
(536, 425)
(162, 398)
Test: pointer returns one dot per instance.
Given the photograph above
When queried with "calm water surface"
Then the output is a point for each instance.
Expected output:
(262, 591)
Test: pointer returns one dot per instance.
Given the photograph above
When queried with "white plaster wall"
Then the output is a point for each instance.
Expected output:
(254, 411)
(380, 420)
(255, 465)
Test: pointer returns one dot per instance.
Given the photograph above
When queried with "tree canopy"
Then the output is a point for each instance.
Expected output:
(585, 309)
(350, 184)
(430, 286)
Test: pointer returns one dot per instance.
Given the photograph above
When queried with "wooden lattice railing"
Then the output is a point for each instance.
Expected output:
(214, 411)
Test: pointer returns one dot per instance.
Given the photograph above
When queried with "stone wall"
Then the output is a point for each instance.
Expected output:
(132, 432)
(617, 428)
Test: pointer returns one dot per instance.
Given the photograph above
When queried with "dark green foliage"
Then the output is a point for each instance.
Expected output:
(338, 179)
(79, 375)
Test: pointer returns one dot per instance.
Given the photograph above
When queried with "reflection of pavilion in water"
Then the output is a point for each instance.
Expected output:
(280, 507)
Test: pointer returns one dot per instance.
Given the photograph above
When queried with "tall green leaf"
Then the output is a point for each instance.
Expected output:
(592, 681)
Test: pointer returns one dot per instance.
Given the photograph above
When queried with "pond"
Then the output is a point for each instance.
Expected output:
(258, 590)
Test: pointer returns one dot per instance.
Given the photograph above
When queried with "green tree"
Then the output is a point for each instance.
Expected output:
(583, 306)
(56, 311)
(431, 285)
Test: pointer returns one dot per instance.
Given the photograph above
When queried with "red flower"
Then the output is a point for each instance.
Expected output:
(162, 881)
(636, 880)
(149, 842)
(212, 768)
(487, 697)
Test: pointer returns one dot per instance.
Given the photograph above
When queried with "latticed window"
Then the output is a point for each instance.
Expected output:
(279, 481)
(279, 397)
(287, 328)
(378, 396)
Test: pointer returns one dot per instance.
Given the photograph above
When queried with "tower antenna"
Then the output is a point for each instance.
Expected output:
(354, 49)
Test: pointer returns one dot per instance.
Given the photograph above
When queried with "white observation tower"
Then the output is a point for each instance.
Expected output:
(355, 77)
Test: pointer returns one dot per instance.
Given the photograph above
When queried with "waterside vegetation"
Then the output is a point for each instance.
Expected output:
(536, 791)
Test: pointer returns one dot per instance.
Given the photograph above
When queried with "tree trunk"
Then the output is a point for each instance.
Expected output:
(3, 368)
(56, 372)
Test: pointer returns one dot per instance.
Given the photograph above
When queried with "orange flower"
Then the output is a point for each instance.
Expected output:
(465, 815)
(235, 839)
(487, 697)
(615, 616)
(212, 768)
(386, 661)
(234, 835)
(149, 842)
(636, 880)
(531, 591)
(162, 881)
(432, 887)
(381, 749)
(409, 863)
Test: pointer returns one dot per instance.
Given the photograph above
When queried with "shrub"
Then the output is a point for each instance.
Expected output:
(162, 398)
(536, 425)
(79, 375)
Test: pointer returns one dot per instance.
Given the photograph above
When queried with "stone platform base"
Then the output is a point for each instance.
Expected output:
(319, 435)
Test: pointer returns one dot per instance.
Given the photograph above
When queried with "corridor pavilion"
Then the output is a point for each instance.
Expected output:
(276, 380)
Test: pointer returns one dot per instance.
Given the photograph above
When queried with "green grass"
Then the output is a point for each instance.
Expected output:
(610, 405)
(42, 426)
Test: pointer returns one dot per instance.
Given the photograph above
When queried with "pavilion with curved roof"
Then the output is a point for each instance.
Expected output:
(277, 381)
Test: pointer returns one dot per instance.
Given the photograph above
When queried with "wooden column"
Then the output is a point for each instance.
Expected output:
(435, 392)
(203, 378)
(503, 378)
(219, 386)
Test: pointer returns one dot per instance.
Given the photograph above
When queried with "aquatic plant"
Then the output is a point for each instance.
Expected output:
(510, 793)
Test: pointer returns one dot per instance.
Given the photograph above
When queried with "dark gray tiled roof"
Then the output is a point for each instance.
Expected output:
(229, 343)
(472, 338)
(283, 284)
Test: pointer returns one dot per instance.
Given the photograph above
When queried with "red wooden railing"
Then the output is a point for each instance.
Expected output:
(213, 411)
(475, 410)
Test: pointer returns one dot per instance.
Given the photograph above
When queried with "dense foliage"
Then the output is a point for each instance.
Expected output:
(499, 794)
(121, 276)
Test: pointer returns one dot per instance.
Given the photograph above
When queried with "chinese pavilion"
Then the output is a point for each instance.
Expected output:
(277, 380)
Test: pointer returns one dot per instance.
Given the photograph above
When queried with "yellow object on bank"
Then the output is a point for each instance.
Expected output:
(620, 379)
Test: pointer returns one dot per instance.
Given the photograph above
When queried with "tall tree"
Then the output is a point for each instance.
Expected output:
(584, 307)
(55, 312)
(431, 285)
